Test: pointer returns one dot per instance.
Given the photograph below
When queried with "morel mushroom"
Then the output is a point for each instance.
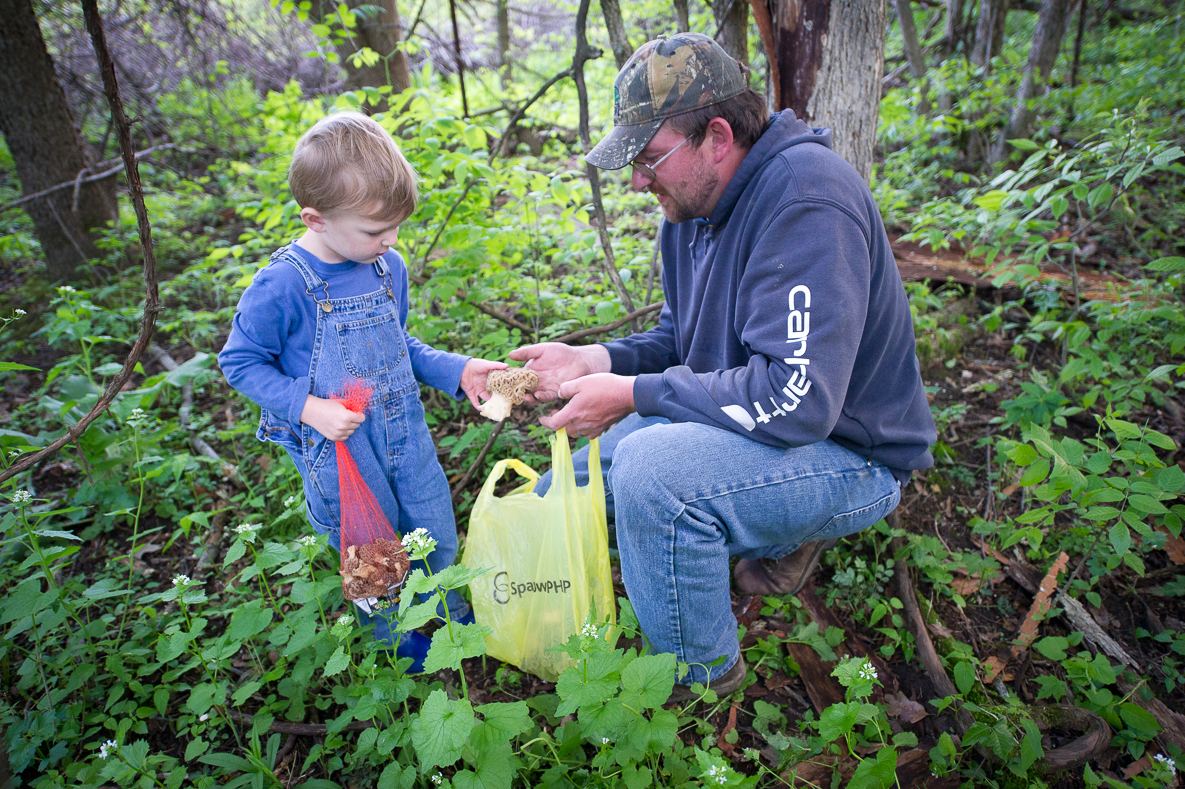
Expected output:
(507, 388)
(372, 570)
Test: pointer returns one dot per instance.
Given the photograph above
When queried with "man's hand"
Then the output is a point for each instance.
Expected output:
(595, 403)
(330, 418)
(557, 364)
(473, 379)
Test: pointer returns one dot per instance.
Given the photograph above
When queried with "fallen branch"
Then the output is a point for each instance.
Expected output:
(925, 647)
(1081, 620)
(82, 178)
(481, 456)
(166, 360)
(94, 24)
(589, 332)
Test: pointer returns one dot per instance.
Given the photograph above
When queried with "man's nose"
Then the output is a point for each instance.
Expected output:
(639, 181)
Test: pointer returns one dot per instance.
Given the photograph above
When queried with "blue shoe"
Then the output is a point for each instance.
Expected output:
(415, 646)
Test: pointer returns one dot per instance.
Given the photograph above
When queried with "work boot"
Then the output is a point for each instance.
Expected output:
(725, 685)
(780, 576)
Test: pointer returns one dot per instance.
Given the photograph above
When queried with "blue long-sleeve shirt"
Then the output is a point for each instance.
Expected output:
(270, 346)
(785, 317)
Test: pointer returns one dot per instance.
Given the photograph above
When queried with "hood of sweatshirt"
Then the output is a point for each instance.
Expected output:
(785, 131)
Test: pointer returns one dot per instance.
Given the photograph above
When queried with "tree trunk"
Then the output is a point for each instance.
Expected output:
(1047, 41)
(618, 41)
(954, 27)
(830, 59)
(46, 146)
(682, 16)
(913, 52)
(732, 20)
(504, 67)
(383, 33)
(989, 31)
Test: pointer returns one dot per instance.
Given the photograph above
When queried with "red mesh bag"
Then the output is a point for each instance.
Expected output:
(374, 561)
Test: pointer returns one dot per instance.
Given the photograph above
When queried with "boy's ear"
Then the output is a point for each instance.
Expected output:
(313, 219)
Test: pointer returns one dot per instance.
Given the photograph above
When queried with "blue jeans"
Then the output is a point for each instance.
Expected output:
(686, 497)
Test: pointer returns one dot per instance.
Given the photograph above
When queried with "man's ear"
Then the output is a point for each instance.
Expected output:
(313, 219)
(719, 138)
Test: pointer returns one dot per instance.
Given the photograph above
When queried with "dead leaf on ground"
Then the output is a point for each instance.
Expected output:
(724, 745)
(940, 630)
(966, 586)
(1174, 547)
(1137, 767)
(908, 710)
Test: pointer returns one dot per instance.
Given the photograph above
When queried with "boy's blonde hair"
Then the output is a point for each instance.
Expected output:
(348, 163)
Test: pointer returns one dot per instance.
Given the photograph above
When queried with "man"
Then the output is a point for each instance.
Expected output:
(778, 404)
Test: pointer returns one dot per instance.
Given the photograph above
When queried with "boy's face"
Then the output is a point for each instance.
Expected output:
(347, 237)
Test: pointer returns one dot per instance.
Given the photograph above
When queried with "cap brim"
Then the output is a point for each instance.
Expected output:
(619, 147)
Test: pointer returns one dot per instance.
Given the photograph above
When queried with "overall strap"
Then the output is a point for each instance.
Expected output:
(312, 282)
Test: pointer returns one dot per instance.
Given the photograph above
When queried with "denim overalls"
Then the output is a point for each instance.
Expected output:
(361, 337)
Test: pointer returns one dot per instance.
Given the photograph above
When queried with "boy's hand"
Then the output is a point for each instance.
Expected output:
(330, 418)
(473, 378)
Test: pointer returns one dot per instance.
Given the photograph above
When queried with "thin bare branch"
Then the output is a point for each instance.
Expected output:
(94, 24)
(608, 327)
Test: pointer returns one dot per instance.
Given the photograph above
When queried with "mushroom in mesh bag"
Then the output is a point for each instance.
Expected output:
(374, 561)
(507, 389)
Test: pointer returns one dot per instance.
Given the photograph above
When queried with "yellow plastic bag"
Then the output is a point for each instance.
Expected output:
(550, 560)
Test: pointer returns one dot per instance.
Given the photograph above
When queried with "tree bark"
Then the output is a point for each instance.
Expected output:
(618, 41)
(954, 27)
(913, 52)
(47, 147)
(682, 16)
(1047, 41)
(504, 67)
(989, 31)
(732, 22)
(382, 33)
(830, 59)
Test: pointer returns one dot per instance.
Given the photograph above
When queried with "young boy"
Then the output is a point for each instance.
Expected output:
(332, 307)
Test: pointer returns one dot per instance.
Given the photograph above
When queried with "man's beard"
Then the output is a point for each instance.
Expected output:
(695, 202)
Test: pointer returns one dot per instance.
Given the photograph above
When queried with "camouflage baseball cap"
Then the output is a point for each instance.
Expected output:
(664, 77)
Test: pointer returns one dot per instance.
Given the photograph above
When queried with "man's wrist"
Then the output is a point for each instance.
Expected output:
(598, 359)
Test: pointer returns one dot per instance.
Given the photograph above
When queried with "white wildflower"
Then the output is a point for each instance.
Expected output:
(604, 741)
(717, 774)
(419, 541)
(288, 502)
(108, 749)
(438, 779)
(18, 313)
(66, 289)
(308, 541)
(247, 528)
(182, 580)
(139, 419)
(1167, 762)
(22, 497)
(867, 672)
(345, 620)
(589, 630)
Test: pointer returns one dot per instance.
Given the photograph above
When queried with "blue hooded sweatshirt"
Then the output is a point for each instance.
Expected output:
(785, 317)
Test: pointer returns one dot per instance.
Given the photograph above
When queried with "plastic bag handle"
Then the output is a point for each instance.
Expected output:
(487, 490)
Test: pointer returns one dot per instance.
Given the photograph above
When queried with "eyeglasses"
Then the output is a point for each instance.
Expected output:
(647, 170)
